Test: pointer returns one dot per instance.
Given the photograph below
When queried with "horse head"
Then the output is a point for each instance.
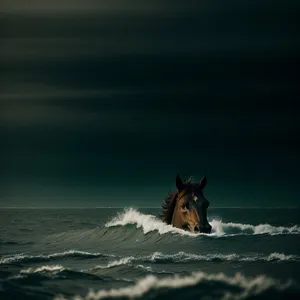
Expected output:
(190, 209)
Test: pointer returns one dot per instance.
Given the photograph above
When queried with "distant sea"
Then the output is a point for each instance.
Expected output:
(104, 253)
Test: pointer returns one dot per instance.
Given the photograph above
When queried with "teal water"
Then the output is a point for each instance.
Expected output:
(104, 253)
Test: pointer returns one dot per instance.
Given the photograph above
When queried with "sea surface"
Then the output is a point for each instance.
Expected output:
(104, 253)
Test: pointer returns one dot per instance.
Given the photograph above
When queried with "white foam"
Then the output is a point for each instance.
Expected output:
(247, 286)
(115, 263)
(221, 229)
(147, 222)
(182, 257)
(282, 256)
(53, 268)
(186, 257)
(150, 223)
(147, 268)
(24, 257)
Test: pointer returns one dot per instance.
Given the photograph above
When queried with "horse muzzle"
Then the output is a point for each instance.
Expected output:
(205, 229)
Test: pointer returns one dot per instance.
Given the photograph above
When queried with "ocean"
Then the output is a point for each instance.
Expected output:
(103, 253)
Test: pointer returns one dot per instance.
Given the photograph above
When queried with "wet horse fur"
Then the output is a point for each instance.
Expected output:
(186, 208)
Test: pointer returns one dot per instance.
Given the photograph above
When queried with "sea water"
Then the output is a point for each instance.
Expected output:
(103, 253)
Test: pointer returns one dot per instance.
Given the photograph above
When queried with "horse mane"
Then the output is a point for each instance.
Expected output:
(169, 203)
(168, 207)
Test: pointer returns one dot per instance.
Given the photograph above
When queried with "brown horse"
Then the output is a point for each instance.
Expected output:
(187, 208)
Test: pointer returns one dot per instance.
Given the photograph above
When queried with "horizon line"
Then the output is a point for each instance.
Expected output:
(124, 207)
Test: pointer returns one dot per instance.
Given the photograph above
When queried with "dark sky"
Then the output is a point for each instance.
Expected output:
(102, 103)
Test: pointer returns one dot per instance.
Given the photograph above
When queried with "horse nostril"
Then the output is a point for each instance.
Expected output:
(196, 229)
(206, 229)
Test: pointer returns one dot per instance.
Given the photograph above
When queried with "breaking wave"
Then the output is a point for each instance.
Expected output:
(42, 269)
(118, 262)
(201, 284)
(52, 272)
(115, 259)
(154, 258)
(19, 258)
(221, 229)
(150, 223)
(147, 222)
(159, 257)
(182, 257)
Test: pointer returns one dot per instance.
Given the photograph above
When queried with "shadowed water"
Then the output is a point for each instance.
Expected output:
(104, 253)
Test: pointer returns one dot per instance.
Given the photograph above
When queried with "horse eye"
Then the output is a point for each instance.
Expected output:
(184, 206)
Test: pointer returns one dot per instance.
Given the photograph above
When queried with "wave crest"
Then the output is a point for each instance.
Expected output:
(17, 258)
(182, 257)
(158, 257)
(147, 222)
(150, 223)
(115, 263)
(221, 229)
(236, 287)
(42, 269)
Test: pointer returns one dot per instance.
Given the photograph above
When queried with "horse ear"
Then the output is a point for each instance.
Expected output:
(203, 182)
(179, 183)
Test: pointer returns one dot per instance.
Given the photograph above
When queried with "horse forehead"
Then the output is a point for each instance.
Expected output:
(195, 188)
(200, 200)
(192, 186)
(193, 203)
